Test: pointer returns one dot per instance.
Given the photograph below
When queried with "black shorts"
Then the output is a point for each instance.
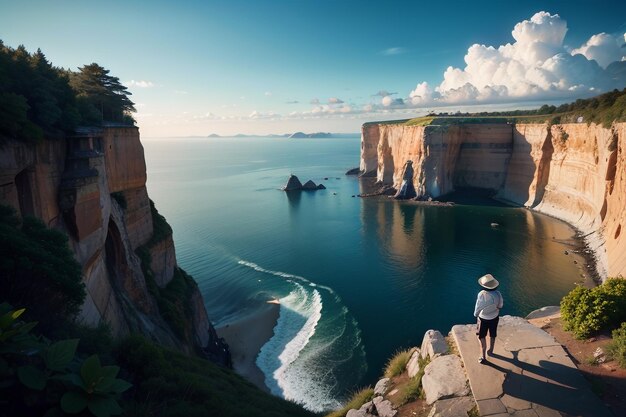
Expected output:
(488, 325)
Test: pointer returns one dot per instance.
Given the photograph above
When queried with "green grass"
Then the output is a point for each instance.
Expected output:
(397, 364)
(412, 390)
(603, 109)
(357, 400)
(167, 383)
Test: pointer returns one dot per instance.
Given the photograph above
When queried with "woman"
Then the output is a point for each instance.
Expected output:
(487, 310)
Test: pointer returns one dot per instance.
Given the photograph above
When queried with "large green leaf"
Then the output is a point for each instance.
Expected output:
(91, 370)
(31, 377)
(6, 320)
(73, 402)
(110, 371)
(103, 406)
(60, 354)
(119, 386)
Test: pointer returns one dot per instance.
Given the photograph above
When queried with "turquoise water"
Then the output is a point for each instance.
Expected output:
(357, 278)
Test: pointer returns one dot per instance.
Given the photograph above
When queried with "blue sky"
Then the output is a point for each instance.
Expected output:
(199, 67)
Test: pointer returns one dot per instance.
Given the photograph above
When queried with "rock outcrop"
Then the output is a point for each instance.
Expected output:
(294, 184)
(575, 172)
(93, 187)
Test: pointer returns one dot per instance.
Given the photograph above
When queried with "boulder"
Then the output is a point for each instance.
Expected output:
(381, 386)
(293, 184)
(309, 185)
(433, 344)
(354, 171)
(321, 187)
(384, 408)
(368, 407)
(358, 413)
(452, 407)
(444, 378)
(413, 366)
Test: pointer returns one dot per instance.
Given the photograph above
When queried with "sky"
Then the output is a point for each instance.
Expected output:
(261, 67)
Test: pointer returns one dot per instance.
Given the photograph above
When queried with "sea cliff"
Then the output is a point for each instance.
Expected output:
(92, 185)
(574, 172)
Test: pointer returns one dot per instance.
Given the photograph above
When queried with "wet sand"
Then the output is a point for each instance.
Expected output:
(245, 339)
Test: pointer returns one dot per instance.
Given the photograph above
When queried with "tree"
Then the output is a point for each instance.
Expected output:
(100, 94)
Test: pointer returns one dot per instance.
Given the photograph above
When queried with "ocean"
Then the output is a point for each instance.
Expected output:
(358, 278)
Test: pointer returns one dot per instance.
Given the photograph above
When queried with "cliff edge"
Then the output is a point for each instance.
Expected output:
(92, 185)
(574, 171)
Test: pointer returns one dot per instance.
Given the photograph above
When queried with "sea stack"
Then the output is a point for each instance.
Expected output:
(293, 184)
(407, 189)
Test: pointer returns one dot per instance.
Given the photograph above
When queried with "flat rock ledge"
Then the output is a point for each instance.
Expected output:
(452, 407)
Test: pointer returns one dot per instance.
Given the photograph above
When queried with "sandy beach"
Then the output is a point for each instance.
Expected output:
(246, 337)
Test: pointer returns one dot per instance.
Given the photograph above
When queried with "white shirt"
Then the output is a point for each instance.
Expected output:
(488, 304)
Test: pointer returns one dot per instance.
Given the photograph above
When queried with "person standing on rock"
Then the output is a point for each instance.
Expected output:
(487, 311)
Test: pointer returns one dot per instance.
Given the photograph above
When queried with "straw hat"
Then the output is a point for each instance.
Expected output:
(488, 282)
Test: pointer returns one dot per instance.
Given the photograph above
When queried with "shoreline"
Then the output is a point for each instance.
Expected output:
(246, 337)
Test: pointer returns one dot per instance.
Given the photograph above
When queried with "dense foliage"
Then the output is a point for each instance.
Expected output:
(37, 99)
(38, 270)
(587, 311)
(168, 383)
(39, 377)
(617, 347)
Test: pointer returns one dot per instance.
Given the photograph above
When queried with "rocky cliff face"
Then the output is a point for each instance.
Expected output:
(92, 186)
(574, 172)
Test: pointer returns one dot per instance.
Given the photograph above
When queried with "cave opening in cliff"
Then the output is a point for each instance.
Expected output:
(25, 193)
(114, 250)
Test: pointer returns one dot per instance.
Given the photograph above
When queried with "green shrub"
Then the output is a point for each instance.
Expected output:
(588, 311)
(356, 401)
(42, 377)
(168, 383)
(617, 347)
(397, 364)
(38, 270)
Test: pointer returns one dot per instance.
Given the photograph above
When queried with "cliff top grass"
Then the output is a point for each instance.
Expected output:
(603, 109)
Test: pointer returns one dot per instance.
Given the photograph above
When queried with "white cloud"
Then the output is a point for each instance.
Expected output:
(257, 115)
(535, 66)
(603, 48)
(335, 100)
(397, 50)
(140, 84)
(383, 93)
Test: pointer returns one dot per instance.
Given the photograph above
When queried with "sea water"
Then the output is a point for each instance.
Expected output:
(357, 278)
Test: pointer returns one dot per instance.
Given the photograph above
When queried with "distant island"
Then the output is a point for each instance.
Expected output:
(299, 135)
(296, 135)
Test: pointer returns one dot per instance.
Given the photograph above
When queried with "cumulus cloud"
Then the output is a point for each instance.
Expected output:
(603, 48)
(140, 84)
(335, 100)
(256, 115)
(397, 50)
(389, 101)
(535, 66)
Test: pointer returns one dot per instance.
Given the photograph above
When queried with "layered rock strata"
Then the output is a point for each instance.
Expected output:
(575, 172)
(93, 186)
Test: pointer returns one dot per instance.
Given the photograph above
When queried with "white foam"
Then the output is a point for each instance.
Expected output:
(296, 362)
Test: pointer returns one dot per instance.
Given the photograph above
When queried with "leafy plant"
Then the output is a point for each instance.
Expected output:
(617, 347)
(95, 388)
(40, 376)
(588, 311)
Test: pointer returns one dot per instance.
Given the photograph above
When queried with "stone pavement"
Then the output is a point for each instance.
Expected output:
(530, 374)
